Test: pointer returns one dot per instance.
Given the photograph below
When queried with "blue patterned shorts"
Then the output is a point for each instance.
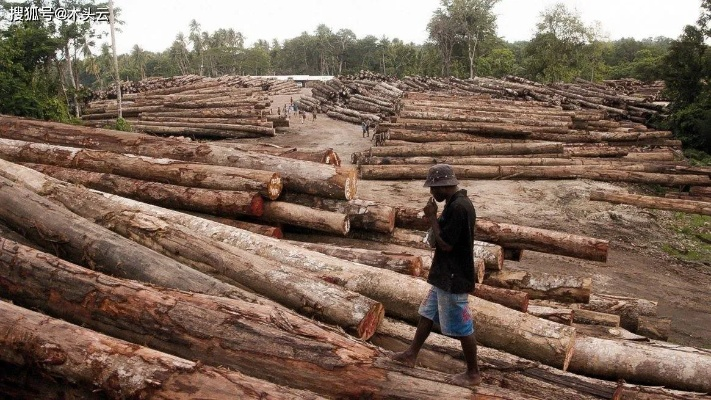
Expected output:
(450, 311)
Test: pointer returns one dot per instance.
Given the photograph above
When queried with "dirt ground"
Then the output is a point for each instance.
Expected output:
(637, 264)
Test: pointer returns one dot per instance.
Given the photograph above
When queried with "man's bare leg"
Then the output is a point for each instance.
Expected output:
(472, 377)
(409, 356)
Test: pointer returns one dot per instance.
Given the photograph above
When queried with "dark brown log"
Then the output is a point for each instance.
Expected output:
(306, 217)
(120, 369)
(513, 299)
(433, 136)
(299, 176)
(175, 172)
(219, 202)
(253, 337)
(566, 289)
(542, 240)
(363, 214)
(660, 203)
(74, 238)
(403, 263)
(193, 132)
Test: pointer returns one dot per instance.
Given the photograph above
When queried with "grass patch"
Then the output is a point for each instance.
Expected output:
(694, 241)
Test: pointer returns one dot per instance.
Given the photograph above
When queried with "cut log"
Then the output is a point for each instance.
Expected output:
(654, 328)
(542, 240)
(306, 217)
(254, 337)
(117, 368)
(588, 317)
(396, 172)
(266, 230)
(401, 295)
(327, 156)
(175, 172)
(444, 354)
(493, 255)
(363, 214)
(219, 202)
(659, 203)
(299, 176)
(513, 299)
(86, 243)
(194, 132)
(672, 366)
(560, 315)
(267, 277)
(403, 263)
(477, 149)
(629, 309)
(565, 289)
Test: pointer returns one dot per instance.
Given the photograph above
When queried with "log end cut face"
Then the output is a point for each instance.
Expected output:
(275, 187)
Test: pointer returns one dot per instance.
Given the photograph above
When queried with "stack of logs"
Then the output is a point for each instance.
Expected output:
(232, 107)
(244, 286)
(485, 138)
(354, 101)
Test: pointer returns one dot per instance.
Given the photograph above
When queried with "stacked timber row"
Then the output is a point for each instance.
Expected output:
(207, 108)
(356, 101)
(487, 138)
(227, 180)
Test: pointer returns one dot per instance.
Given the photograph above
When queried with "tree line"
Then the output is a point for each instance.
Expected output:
(46, 65)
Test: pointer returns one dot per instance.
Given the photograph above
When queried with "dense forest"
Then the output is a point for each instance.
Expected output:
(47, 65)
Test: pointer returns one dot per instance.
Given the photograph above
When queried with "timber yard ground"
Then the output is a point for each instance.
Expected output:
(655, 255)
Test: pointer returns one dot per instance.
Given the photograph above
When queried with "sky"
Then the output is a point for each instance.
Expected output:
(153, 24)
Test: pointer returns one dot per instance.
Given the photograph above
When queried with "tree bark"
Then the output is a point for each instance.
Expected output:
(266, 230)
(660, 203)
(363, 214)
(672, 366)
(119, 369)
(267, 277)
(588, 317)
(513, 299)
(175, 172)
(566, 289)
(218, 202)
(74, 238)
(403, 263)
(654, 328)
(255, 338)
(629, 309)
(401, 295)
(560, 315)
(299, 176)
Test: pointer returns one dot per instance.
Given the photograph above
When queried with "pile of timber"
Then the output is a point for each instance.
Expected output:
(216, 108)
(486, 138)
(152, 83)
(356, 101)
(243, 276)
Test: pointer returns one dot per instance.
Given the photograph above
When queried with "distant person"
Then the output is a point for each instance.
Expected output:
(313, 116)
(364, 126)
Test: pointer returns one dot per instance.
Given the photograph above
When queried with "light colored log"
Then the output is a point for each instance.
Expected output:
(560, 315)
(628, 308)
(654, 328)
(566, 289)
(659, 203)
(479, 149)
(588, 317)
(658, 364)
(306, 217)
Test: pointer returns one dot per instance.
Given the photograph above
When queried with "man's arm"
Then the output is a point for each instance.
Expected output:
(431, 215)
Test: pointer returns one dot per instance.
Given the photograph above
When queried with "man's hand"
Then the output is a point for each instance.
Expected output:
(431, 208)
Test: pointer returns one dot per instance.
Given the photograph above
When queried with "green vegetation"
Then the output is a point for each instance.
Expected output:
(695, 233)
(47, 66)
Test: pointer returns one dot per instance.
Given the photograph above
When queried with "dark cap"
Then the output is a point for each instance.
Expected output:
(441, 175)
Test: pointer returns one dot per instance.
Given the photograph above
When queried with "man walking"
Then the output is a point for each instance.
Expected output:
(451, 274)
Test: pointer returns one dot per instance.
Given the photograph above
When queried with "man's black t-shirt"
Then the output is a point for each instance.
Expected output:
(453, 271)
